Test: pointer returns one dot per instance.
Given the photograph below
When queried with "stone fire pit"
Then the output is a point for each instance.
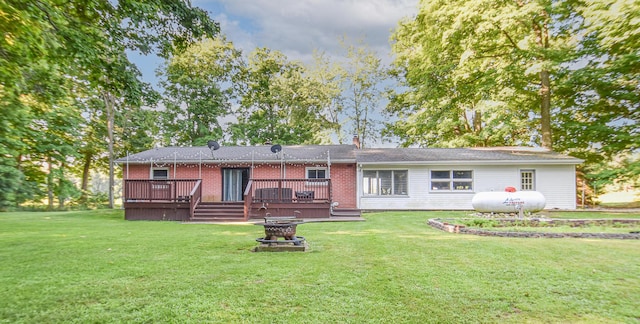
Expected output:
(280, 227)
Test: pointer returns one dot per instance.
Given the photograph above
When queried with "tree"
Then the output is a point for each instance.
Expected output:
(278, 102)
(362, 78)
(600, 101)
(86, 42)
(328, 77)
(198, 92)
(478, 71)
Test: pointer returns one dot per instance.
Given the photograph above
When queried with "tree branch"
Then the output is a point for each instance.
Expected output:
(510, 39)
(40, 6)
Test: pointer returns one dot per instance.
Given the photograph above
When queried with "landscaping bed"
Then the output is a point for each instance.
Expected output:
(607, 228)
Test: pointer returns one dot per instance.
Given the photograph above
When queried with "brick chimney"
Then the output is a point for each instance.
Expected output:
(356, 141)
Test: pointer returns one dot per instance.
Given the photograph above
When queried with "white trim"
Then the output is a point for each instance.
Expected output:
(533, 179)
(369, 195)
(306, 176)
(474, 162)
(159, 169)
(307, 169)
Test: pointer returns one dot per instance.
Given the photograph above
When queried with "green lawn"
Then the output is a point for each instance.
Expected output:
(95, 267)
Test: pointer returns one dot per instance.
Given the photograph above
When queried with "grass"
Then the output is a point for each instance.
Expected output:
(83, 267)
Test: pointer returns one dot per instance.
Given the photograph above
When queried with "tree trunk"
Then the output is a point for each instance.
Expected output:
(545, 110)
(542, 35)
(109, 103)
(50, 185)
(61, 187)
(477, 121)
(86, 169)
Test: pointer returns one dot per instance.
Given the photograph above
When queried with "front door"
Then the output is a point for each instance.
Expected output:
(234, 182)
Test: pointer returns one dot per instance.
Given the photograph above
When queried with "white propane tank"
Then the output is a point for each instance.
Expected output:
(508, 202)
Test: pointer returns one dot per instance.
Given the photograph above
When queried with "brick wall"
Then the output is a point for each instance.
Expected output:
(343, 178)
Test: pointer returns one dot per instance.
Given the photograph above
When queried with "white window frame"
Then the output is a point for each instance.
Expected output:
(378, 185)
(159, 169)
(531, 181)
(450, 181)
(313, 183)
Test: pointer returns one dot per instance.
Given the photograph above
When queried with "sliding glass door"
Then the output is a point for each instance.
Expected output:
(234, 182)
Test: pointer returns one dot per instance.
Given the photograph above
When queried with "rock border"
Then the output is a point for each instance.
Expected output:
(439, 223)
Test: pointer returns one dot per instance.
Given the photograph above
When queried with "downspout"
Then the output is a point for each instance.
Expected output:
(328, 164)
(358, 185)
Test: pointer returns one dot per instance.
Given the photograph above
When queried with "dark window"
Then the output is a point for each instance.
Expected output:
(451, 180)
(160, 174)
(316, 174)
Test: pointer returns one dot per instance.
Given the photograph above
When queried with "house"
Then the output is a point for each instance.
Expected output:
(448, 178)
(327, 181)
(240, 182)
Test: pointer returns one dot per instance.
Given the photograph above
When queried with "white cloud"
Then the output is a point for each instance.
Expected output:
(296, 28)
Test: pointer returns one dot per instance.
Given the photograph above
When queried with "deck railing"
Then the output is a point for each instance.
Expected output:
(290, 190)
(196, 195)
(170, 190)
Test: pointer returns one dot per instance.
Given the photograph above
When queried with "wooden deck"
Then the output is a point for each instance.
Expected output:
(179, 200)
(302, 198)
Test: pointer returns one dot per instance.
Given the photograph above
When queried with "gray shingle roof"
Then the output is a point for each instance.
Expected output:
(462, 155)
(291, 153)
(349, 154)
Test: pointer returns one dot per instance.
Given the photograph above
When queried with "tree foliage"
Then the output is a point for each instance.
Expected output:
(479, 73)
(363, 75)
(279, 102)
(561, 74)
(53, 52)
(199, 91)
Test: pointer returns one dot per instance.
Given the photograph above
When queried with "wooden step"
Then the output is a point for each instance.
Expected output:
(346, 212)
(215, 219)
(218, 212)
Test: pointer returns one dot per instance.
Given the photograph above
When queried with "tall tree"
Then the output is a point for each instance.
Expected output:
(477, 69)
(86, 41)
(328, 76)
(198, 92)
(277, 102)
(599, 94)
(600, 99)
(362, 79)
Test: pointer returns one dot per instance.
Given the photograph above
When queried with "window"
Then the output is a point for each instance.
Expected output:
(160, 174)
(451, 180)
(527, 180)
(317, 173)
(385, 182)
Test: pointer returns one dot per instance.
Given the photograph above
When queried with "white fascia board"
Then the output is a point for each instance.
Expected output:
(234, 161)
(476, 162)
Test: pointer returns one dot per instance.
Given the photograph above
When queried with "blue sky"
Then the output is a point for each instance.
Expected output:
(296, 28)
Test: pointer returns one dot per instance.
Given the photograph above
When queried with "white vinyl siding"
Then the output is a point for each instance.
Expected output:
(555, 182)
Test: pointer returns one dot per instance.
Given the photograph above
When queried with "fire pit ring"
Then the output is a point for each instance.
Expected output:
(285, 230)
(280, 227)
